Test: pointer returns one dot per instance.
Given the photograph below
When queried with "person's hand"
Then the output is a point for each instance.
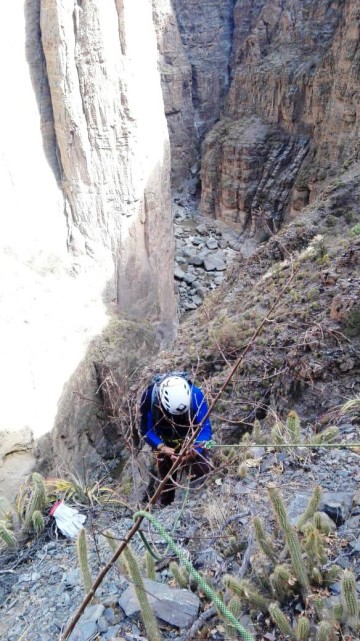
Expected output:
(168, 451)
(189, 455)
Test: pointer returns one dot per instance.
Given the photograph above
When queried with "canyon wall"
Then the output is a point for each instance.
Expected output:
(291, 117)
(268, 91)
(195, 43)
(113, 144)
(87, 226)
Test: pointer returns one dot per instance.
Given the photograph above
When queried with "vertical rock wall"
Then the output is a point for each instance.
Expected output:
(176, 83)
(194, 42)
(113, 143)
(295, 87)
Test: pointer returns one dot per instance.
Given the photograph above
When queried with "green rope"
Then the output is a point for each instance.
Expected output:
(220, 605)
(211, 445)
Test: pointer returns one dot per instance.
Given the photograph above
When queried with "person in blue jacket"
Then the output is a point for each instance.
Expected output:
(170, 410)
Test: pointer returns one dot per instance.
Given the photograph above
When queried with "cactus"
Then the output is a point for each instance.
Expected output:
(337, 613)
(302, 629)
(39, 482)
(147, 613)
(276, 435)
(180, 575)
(324, 523)
(316, 576)
(7, 536)
(257, 432)
(324, 631)
(110, 540)
(315, 546)
(247, 592)
(281, 581)
(281, 621)
(37, 522)
(235, 608)
(36, 501)
(327, 436)
(150, 566)
(263, 540)
(82, 553)
(311, 507)
(319, 607)
(293, 426)
(349, 599)
(291, 539)
(332, 574)
(242, 471)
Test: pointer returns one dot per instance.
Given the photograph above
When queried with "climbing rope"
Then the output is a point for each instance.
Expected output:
(211, 444)
(220, 605)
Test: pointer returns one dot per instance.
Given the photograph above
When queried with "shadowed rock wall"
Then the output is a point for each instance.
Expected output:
(294, 98)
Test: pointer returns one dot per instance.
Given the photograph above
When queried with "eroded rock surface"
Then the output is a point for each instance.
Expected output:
(295, 76)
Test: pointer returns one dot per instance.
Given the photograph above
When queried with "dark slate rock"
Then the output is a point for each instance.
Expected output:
(196, 260)
(202, 230)
(337, 505)
(189, 278)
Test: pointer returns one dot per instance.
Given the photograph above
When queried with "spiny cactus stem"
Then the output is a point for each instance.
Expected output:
(291, 540)
(147, 612)
(311, 507)
(82, 552)
(263, 540)
(281, 621)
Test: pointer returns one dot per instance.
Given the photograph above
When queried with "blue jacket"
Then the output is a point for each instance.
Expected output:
(157, 427)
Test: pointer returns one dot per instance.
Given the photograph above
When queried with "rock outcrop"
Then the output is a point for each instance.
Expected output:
(176, 83)
(113, 145)
(195, 43)
(295, 89)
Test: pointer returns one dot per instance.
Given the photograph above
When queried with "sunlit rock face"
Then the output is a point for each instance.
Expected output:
(113, 143)
(292, 112)
(85, 175)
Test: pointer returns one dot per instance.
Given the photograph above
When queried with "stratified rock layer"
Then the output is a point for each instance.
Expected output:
(294, 93)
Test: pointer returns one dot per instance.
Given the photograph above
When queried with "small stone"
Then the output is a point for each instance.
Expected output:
(202, 230)
(178, 273)
(214, 262)
(212, 243)
(189, 278)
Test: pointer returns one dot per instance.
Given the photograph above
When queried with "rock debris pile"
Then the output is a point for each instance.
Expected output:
(204, 248)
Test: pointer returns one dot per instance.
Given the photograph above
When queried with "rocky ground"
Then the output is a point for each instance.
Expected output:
(41, 585)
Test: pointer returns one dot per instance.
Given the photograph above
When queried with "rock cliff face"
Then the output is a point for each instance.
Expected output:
(176, 83)
(292, 112)
(113, 144)
(195, 42)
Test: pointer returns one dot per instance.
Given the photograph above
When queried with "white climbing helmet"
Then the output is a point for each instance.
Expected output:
(174, 393)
